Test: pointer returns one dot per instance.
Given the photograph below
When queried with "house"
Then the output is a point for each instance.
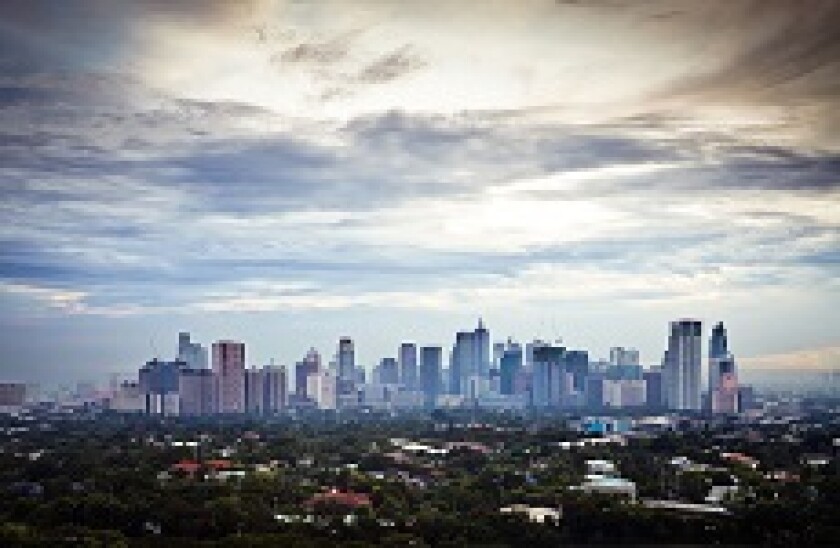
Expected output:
(340, 498)
(742, 459)
(610, 486)
(533, 513)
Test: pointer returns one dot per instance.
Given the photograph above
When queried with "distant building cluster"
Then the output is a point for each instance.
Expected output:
(503, 375)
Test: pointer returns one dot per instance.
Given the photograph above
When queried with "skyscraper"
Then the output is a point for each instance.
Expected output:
(346, 359)
(388, 371)
(275, 388)
(431, 362)
(196, 391)
(254, 387)
(159, 382)
(548, 376)
(723, 379)
(408, 365)
(229, 369)
(681, 372)
(510, 364)
(310, 365)
(191, 353)
(481, 339)
(462, 360)
(720, 361)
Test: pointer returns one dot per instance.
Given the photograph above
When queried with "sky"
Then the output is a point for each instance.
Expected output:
(288, 172)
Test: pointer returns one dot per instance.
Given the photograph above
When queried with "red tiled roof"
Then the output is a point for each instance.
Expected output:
(188, 466)
(218, 464)
(354, 500)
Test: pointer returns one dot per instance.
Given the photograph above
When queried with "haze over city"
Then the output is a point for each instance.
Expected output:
(285, 173)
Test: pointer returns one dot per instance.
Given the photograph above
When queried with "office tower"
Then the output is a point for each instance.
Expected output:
(723, 379)
(681, 372)
(346, 359)
(510, 365)
(624, 356)
(481, 339)
(389, 372)
(462, 360)
(498, 352)
(196, 392)
(431, 362)
(720, 360)
(183, 343)
(275, 395)
(577, 365)
(229, 369)
(158, 381)
(310, 364)
(254, 388)
(408, 365)
(191, 353)
(322, 387)
(548, 376)
(653, 387)
(470, 364)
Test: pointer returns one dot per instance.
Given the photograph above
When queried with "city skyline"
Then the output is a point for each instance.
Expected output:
(285, 173)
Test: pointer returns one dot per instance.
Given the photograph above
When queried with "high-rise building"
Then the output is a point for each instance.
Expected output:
(720, 360)
(322, 387)
(548, 376)
(12, 394)
(275, 386)
(624, 356)
(229, 370)
(346, 359)
(158, 381)
(388, 371)
(191, 353)
(723, 378)
(481, 339)
(653, 387)
(510, 364)
(408, 365)
(624, 393)
(577, 365)
(254, 388)
(498, 352)
(681, 371)
(196, 392)
(265, 390)
(431, 362)
(470, 365)
(461, 362)
(310, 365)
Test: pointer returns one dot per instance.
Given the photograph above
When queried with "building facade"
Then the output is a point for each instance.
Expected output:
(682, 367)
(229, 371)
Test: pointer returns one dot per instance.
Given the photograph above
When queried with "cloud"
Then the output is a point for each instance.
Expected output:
(391, 66)
(812, 358)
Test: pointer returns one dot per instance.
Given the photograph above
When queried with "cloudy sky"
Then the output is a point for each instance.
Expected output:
(286, 172)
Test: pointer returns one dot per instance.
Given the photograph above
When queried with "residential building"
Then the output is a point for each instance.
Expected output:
(229, 370)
